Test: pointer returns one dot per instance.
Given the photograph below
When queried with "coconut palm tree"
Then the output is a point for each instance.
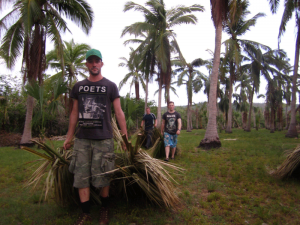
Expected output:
(236, 26)
(219, 12)
(160, 39)
(290, 7)
(270, 64)
(133, 65)
(193, 81)
(27, 27)
(163, 88)
(74, 65)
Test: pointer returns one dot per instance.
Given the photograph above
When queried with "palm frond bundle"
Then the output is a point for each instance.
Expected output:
(135, 169)
(136, 166)
(54, 168)
(291, 165)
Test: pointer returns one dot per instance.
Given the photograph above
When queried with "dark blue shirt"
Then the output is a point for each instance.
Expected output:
(149, 121)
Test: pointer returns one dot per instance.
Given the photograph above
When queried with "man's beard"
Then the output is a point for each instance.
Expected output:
(94, 73)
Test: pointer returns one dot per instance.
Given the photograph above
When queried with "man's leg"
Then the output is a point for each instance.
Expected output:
(173, 150)
(103, 161)
(84, 194)
(149, 136)
(173, 143)
(104, 192)
(167, 150)
(81, 170)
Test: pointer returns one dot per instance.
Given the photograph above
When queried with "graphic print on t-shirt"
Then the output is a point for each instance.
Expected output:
(91, 105)
(171, 122)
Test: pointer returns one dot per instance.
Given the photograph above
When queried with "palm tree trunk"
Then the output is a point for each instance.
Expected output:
(229, 116)
(244, 118)
(279, 116)
(27, 136)
(286, 117)
(292, 131)
(267, 115)
(146, 97)
(248, 128)
(137, 90)
(189, 129)
(159, 104)
(272, 120)
(211, 138)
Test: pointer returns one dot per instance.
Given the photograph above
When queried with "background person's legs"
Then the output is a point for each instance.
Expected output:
(173, 150)
(149, 138)
(167, 150)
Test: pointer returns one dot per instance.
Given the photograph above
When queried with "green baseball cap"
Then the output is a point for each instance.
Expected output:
(94, 52)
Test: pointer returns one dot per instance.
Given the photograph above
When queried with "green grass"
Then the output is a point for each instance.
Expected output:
(229, 185)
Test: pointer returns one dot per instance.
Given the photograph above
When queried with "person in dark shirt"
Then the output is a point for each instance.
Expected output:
(170, 128)
(150, 121)
(93, 152)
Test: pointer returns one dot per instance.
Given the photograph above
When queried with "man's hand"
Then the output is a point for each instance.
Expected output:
(178, 132)
(67, 145)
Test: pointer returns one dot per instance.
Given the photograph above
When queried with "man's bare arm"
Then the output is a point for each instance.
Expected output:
(120, 116)
(179, 126)
(72, 124)
(162, 126)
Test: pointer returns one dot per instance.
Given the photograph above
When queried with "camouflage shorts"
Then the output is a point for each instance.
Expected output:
(90, 159)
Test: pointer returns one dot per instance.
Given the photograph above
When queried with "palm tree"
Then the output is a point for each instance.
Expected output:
(28, 25)
(133, 65)
(193, 82)
(74, 62)
(236, 26)
(163, 88)
(269, 65)
(160, 39)
(290, 7)
(219, 11)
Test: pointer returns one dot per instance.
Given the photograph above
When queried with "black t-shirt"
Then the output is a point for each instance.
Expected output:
(94, 107)
(171, 124)
(149, 121)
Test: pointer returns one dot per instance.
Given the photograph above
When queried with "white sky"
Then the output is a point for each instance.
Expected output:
(193, 40)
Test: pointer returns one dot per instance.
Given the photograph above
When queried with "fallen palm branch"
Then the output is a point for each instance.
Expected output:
(290, 166)
(152, 175)
(54, 168)
(135, 168)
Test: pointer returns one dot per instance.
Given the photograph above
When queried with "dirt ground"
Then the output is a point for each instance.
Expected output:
(9, 139)
(13, 139)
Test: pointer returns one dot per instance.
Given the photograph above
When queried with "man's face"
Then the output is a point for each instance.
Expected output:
(148, 111)
(94, 64)
(171, 106)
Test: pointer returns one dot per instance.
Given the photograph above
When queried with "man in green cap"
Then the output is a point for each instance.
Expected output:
(94, 146)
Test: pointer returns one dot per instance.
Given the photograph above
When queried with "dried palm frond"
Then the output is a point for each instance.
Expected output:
(152, 175)
(290, 166)
(54, 168)
(135, 169)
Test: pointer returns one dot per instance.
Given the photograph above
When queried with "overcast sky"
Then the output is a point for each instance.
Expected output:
(193, 40)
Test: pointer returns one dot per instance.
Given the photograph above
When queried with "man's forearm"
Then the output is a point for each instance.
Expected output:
(72, 125)
(122, 122)
(162, 127)
(179, 124)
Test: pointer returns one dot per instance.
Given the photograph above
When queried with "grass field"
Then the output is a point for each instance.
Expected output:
(229, 185)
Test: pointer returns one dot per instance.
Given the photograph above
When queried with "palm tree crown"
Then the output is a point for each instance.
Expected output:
(27, 27)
